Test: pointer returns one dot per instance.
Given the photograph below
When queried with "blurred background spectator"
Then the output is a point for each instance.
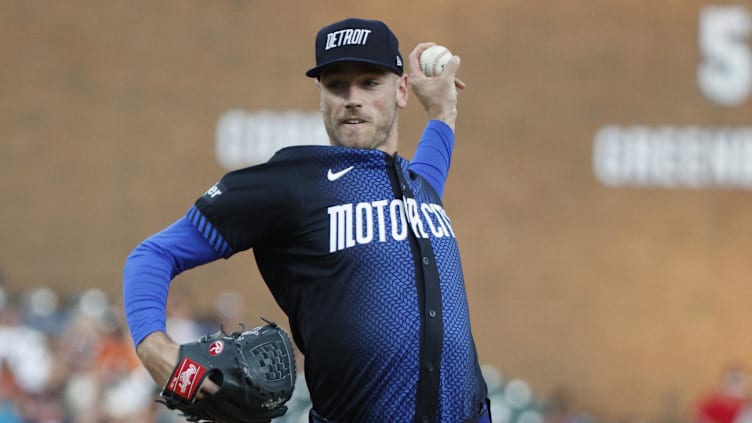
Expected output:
(725, 403)
(561, 407)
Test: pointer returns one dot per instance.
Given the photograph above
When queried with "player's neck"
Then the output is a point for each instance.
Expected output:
(389, 146)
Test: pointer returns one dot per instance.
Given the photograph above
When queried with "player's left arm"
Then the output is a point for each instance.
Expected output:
(150, 268)
(147, 274)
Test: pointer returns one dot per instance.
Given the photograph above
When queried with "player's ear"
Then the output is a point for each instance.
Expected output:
(321, 94)
(402, 91)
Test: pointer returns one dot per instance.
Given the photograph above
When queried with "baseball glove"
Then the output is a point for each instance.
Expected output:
(254, 369)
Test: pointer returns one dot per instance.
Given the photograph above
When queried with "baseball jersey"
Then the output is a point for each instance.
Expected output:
(358, 251)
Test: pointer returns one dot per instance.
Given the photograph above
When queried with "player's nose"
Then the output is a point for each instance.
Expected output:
(352, 105)
(353, 98)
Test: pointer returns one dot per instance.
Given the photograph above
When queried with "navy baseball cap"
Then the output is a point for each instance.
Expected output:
(357, 40)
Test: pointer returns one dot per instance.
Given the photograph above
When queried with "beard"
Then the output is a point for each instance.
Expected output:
(370, 134)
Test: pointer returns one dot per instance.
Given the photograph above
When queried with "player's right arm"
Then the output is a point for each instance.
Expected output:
(434, 154)
(437, 94)
(147, 274)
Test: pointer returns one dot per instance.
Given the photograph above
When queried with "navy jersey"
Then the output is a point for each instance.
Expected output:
(360, 254)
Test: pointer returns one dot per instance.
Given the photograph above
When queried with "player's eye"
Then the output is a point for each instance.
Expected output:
(335, 85)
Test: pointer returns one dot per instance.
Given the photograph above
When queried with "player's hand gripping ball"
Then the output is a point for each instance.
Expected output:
(434, 59)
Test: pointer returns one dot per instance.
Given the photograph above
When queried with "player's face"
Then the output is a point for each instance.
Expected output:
(359, 104)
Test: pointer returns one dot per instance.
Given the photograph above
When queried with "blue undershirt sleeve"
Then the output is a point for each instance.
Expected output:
(150, 268)
(433, 154)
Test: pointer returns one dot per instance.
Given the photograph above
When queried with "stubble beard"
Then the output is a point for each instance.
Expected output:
(373, 139)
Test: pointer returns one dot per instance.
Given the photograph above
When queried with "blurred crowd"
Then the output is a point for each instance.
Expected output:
(730, 400)
(71, 360)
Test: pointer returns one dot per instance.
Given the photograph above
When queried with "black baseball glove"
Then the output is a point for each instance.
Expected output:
(255, 370)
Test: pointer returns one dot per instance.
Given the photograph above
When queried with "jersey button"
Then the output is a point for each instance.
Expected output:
(426, 261)
(432, 313)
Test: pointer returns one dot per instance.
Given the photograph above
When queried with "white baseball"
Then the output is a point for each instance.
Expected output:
(434, 59)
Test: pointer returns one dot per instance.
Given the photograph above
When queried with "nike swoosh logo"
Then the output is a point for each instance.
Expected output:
(333, 176)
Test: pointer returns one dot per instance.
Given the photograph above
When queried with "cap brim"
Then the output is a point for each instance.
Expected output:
(315, 72)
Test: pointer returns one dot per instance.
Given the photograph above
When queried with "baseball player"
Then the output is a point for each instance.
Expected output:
(351, 239)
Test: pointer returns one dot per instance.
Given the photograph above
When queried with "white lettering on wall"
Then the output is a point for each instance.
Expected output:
(247, 138)
(725, 72)
(673, 157)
